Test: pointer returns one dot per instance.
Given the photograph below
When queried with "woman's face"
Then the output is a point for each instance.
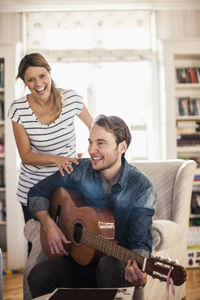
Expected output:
(38, 80)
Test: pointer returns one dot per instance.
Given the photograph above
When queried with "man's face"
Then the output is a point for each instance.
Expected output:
(103, 149)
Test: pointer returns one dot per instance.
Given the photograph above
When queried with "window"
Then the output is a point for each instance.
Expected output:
(114, 89)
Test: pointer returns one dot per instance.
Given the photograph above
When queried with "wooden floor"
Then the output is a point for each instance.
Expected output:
(12, 286)
(193, 285)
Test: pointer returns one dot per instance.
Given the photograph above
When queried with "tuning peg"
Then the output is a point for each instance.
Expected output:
(176, 261)
(159, 276)
(161, 257)
(169, 259)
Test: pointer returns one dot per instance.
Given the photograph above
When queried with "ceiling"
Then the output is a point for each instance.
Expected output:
(55, 5)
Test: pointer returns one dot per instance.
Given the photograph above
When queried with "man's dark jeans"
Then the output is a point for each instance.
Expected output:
(60, 272)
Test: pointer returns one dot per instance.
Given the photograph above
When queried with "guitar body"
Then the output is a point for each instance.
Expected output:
(74, 218)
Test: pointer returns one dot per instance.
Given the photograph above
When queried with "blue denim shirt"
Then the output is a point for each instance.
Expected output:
(132, 200)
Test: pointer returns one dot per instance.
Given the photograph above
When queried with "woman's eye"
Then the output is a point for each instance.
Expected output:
(29, 80)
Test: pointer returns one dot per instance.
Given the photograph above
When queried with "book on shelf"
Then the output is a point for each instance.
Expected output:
(197, 178)
(2, 182)
(193, 75)
(188, 124)
(1, 74)
(194, 220)
(187, 127)
(185, 131)
(2, 210)
(188, 75)
(182, 75)
(2, 115)
(188, 142)
(188, 150)
(188, 136)
(188, 139)
(187, 106)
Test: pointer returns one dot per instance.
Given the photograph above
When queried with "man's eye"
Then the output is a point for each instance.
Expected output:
(30, 80)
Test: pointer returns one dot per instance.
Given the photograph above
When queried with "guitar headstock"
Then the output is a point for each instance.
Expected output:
(159, 268)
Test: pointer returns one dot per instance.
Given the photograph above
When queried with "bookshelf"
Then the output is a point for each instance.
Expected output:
(180, 93)
(11, 222)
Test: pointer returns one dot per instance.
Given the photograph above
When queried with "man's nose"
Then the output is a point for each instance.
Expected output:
(92, 148)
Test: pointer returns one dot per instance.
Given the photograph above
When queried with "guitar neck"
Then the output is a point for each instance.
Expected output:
(157, 267)
(110, 248)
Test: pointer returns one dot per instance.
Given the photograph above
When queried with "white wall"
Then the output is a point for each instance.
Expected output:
(178, 24)
(11, 28)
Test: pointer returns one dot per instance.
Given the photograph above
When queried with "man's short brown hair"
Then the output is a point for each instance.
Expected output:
(116, 126)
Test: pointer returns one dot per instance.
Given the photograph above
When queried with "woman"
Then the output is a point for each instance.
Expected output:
(43, 125)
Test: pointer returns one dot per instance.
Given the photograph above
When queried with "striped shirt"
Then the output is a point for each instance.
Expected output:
(57, 138)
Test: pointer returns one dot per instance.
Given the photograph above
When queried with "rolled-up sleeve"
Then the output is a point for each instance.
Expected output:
(39, 194)
(140, 237)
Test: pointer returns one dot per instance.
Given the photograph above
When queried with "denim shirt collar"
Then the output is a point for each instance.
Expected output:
(122, 179)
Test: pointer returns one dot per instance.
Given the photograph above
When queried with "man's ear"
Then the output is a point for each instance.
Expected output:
(123, 147)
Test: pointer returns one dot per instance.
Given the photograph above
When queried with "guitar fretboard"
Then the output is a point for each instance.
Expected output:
(112, 249)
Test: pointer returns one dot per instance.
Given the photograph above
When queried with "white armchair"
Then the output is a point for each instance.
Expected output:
(173, 180)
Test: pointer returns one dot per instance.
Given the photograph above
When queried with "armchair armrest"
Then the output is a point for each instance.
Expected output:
(32, 230)
(165, 234)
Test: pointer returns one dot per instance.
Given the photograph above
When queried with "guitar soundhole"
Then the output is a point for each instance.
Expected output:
(77, 233)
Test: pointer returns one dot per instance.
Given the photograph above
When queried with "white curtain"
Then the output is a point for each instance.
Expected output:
(89, 30)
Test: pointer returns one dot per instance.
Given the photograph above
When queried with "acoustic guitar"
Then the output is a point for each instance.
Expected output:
(91, 231)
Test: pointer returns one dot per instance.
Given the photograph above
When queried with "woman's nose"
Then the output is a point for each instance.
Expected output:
(38, 82)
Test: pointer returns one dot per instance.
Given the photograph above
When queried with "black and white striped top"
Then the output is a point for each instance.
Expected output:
(57, 138)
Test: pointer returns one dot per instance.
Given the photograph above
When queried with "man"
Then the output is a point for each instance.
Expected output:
(105, 180)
